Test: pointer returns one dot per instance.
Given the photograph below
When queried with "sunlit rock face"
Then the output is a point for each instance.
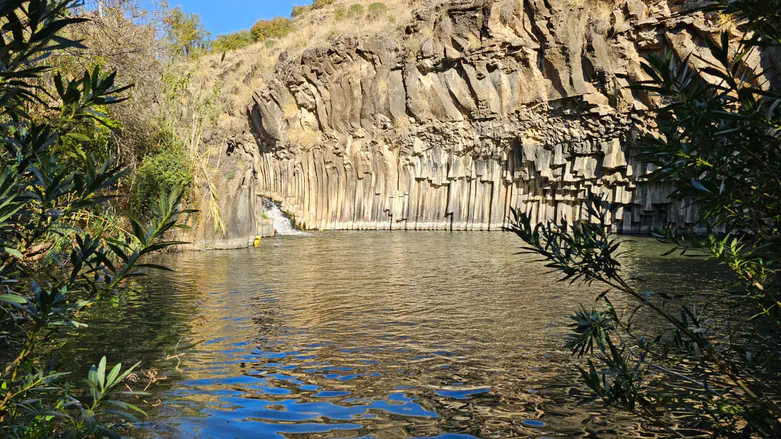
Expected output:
(477, 107)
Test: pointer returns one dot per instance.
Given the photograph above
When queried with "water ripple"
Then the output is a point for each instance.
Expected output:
(381, 335)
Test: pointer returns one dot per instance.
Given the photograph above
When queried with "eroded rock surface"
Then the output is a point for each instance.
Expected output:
(477, 107)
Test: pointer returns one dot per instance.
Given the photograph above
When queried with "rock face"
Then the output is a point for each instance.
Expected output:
(477, 107)
(240, 217)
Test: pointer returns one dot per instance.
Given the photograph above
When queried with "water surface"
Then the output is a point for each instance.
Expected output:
(365, 334)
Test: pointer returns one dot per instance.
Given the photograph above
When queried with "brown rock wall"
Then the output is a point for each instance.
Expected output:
(479, 106)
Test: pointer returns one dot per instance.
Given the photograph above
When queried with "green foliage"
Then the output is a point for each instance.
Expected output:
(277, 27)
(319, 4)
(377, 10)
(41, 191)
(355, 11)
(721, 150)
(340, 13)
(758, 16)
(92, 137)
(234, 41)
(102, 386)
(186, 33)
(299, 11)
(160, 173)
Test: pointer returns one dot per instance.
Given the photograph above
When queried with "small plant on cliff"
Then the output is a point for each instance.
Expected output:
(234, 41)
(278, 27)
(720, 149)
(377, 10)
(299, 11)
(319, 4)
(44, 289)
(355, 11)
(340, 13)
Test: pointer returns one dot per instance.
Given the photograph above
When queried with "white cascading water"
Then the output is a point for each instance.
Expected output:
(282, 224)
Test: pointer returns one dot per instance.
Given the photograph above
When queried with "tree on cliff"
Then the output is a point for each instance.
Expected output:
(186, 33)
(720, 147)
(45, 195)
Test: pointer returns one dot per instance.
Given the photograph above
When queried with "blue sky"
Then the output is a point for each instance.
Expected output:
(225, 16)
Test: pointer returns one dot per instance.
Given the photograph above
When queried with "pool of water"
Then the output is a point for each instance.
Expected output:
(364, 334)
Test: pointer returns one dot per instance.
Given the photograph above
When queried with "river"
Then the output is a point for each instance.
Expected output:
(365, 334)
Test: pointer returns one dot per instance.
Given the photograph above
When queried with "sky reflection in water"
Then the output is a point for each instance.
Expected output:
(384, 335)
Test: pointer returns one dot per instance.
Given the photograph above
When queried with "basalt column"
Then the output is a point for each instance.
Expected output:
(476, 108)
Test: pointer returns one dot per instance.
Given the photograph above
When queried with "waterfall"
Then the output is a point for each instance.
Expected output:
(282, 223)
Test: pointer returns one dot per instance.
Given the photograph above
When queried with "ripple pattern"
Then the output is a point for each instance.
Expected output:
(384, 335)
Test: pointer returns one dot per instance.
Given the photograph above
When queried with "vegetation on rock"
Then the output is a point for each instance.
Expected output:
(377, 10)
(234, 41)
(299, 11)
(319, 4)
(277, 27)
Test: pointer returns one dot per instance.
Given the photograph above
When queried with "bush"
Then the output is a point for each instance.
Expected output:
(299, 11)
(92, 137)
(275, 28)
(319, 4)
(355, 11)
(340, 13)
(160, 173)
(234, 41)
(377, 10)
(47, 287)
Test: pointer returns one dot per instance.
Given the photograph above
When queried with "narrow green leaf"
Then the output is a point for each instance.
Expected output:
(101, 374)
(12, 251)
(113, 375)
(13, 298)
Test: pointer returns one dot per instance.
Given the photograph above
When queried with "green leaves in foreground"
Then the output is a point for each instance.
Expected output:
(709, 354)
(102, 386)
(49, 184)
(582, 251)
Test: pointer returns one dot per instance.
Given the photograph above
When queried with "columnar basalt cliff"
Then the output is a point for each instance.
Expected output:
(476, 107)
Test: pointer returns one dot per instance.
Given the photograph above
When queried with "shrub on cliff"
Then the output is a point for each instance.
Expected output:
(377, 10)
(720, 149)
(299, 11)
(340, 13)
(44, 289)
(319, 4)
(355, 11)
(234, 41)
(277, 27)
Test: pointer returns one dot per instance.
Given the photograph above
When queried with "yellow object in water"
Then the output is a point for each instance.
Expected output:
(257, 241)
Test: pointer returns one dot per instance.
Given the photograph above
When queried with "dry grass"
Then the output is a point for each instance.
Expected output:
(306, 138)
(403, 127)
(240, 73)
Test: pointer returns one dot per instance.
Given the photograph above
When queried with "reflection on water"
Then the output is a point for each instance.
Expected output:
(385, 335)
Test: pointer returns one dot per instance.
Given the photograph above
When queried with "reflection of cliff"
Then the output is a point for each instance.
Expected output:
(482, 105)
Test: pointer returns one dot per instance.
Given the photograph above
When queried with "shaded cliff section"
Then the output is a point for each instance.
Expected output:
(233, 216)
(476, 107)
